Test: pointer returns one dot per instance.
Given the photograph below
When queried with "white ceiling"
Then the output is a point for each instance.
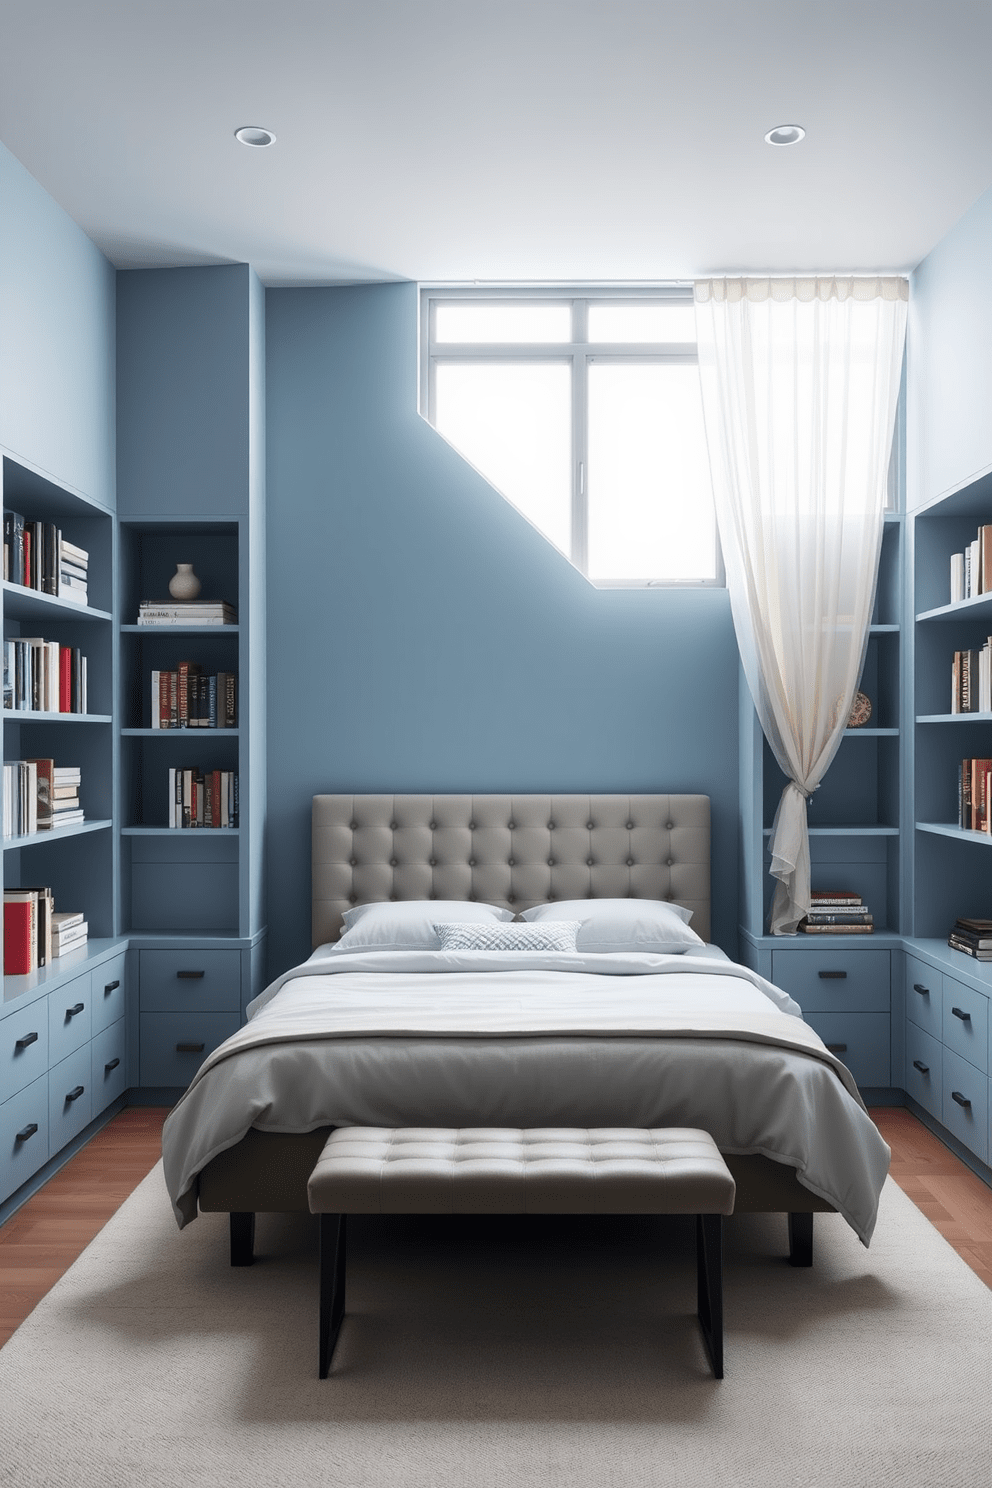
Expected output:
(585, 140)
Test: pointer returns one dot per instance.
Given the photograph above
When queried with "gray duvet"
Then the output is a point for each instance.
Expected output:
(434, 1038)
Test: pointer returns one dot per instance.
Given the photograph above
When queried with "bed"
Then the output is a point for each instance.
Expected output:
(382, 1035)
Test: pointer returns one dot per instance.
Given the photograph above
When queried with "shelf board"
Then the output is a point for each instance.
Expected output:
(95, 949)
(174, 733)
(954, 718)
(884, 630)
(180, 831)
(875, 831)
(978, 608)
(54, 834)
(871, 733)
(231, 630)
(21, 603)
(26, 715)
(963, 834)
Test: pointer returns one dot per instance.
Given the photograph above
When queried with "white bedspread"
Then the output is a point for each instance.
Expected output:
(554, 1039)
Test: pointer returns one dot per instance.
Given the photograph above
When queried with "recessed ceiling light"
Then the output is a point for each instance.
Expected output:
(785, 134)
(252, 134)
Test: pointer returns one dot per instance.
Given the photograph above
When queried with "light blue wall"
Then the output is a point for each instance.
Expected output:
(56, 340)
(949, 424)
(423, 636)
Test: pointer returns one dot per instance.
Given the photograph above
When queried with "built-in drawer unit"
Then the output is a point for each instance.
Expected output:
(109, 993)
(965, 1026)
(108, 1054)
(174, 1045)
(923, 996)
(23, 1135)
(23, 1047)
(965, 1104)
(70, 1097)
(860, 1040)
(200, 980)
(924, 1063)
(69, 1018)
(823, 980)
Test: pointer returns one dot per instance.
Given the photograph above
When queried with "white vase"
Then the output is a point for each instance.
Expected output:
(184, 584)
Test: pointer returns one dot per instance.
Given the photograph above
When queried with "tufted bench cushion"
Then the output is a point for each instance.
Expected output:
(510, 1170)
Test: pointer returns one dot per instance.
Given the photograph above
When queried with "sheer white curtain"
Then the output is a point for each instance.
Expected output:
(800, 379)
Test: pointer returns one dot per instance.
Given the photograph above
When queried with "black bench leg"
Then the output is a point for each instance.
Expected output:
(709, 1286)
(242, 1239)
(801, 1239)
(332, 1265)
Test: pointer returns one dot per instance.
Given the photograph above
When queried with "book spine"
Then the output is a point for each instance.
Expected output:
(17, 946)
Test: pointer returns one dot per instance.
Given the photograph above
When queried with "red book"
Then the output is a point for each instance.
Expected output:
(65, 679)
(215, 798)
(19, 936)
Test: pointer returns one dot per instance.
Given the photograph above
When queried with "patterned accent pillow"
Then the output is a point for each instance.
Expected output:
(550, 935)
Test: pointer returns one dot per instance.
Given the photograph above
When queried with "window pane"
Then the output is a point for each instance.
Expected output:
(512, 420)
(650, 498)
(650, 321)
(502, 321)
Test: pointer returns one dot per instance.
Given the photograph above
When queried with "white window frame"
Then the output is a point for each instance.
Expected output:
(579, 353)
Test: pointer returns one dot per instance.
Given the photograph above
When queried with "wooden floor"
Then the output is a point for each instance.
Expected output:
(43, 1238)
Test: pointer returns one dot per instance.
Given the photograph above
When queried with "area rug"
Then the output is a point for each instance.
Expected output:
(479, 1353)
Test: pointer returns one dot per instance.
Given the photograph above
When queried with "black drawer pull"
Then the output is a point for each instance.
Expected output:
(71, 1012)
(26, 1131)
(958, 1013)
(189, 1048)
(111, 987)
(962, 1100)
(74, 1095)
(837, 1048)
(111, 1066)
(924, 1069)
(831, 976)
(190, 976)
(29, 1038)
(919, 987)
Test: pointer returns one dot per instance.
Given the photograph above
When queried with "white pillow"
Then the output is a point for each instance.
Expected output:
(408, 924)
(653, 925)
(550, 935)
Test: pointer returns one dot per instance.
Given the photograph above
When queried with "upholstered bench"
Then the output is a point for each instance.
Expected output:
(542, 1170)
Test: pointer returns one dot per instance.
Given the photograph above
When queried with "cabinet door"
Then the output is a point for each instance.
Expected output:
(70, 1097)
(108, 1053)
(860, 1040)
(23, 1048)
(923, 996)
(966, 1103)
(193, 980)
(924, 1057)
(23, 1136)
(965, 1025)
(825, 980)
(69, 1018)
(109, 993)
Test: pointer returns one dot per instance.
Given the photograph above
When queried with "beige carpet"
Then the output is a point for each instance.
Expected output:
(477, 1354)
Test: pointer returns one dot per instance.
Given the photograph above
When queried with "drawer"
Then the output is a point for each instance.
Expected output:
(108, 1065)
(108, 992)
(860, 1040)
(70, 1098)
(969, 1122)
(965, 1027)
(923, 1004)
(823, 981)
(69, 1018)
(23, 1136)
(174, 981)
(174, 1045)
(924, 1063)
(23, 1048)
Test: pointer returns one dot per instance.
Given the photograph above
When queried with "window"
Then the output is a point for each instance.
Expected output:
(584, 410)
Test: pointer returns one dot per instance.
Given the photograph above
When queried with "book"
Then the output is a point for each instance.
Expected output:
(20, 934)
(65, 920)
(862, 929)
(44, 917)
(834, 896)
(956, 944)
(45, 785)
(840, 919)
(72, 940)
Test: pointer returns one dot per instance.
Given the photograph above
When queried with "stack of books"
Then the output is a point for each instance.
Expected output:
(975, 795)
(186, 612)
(837, 912)
(199, 798)
(74, 565)
(42, 676)
(27, 930)
(20, 798)
(974, 937)
(188, 698)
(69, 932)
(971, 571)
(971, 680)
(58, 794)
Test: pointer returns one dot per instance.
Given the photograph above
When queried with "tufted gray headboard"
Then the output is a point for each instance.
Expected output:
(512, 850)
